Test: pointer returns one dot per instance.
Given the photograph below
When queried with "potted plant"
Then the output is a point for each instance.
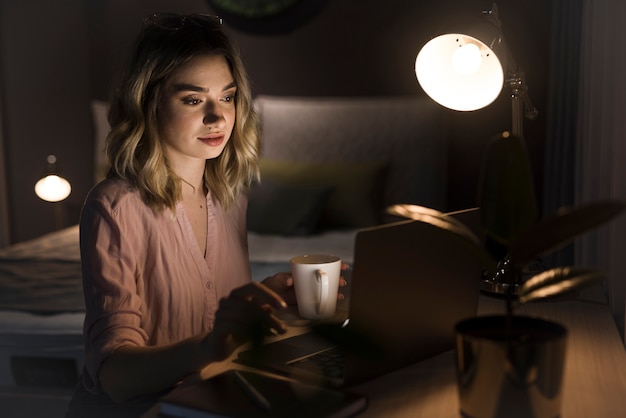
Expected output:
(512, 365)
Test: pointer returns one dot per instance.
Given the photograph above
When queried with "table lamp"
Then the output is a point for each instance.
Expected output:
(52, 187)
(466, 71)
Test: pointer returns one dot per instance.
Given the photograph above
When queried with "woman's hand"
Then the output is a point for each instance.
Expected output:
(247, 314)
(282, 284)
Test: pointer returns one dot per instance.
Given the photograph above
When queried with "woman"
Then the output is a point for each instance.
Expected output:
(163, 241)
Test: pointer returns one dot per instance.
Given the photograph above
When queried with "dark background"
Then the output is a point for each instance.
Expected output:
(56, 56)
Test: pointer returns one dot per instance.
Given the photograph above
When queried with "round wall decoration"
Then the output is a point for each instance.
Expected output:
(253, 8)
(267, 16)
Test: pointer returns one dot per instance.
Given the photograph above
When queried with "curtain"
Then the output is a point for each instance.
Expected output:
(600, 144)
(559, 170)
(4, 195)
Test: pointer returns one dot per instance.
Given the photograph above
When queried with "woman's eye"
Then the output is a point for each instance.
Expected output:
(229, 98)
(191, 101)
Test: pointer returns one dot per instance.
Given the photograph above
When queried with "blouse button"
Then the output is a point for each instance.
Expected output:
(209, 285)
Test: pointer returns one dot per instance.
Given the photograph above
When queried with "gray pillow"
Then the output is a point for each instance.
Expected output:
(356, 198)
(278, 208)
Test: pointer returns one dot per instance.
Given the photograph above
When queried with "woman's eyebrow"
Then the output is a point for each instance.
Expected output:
(230, 85)
(191, 87)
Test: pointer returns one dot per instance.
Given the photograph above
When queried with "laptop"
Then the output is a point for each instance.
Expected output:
(411, 282)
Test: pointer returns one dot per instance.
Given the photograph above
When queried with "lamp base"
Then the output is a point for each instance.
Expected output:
(499, 288)
(505, 281)
(508, 280)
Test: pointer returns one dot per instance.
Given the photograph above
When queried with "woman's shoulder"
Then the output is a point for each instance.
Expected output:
(112, 189)
(115, 193)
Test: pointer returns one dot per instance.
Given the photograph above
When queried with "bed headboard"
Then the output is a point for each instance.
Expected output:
(383, 151)
(408, 132)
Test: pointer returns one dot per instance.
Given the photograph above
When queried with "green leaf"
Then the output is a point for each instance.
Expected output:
(507, 197)
(555, 232)
(434, 217)
(447, 224)
(557, 281)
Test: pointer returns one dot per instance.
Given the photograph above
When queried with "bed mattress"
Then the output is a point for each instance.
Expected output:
(42, 308)
(40, 350)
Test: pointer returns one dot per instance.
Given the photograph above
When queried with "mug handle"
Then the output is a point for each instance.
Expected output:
(322, 290)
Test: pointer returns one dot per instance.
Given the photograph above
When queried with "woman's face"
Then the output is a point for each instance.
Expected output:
(197, 111)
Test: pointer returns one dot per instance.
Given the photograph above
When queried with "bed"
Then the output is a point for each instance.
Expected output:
(329, 168)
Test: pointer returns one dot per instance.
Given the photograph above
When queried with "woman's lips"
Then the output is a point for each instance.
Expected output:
(212, 140)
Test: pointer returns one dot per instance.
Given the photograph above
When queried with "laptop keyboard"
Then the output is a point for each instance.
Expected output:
(330, 362)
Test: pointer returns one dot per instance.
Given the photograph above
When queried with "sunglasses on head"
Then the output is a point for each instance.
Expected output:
(175, 21)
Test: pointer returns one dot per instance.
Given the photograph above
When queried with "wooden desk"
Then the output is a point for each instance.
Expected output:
(595, 374)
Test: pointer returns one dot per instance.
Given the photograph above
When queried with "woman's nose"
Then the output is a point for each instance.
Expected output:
(213, 114)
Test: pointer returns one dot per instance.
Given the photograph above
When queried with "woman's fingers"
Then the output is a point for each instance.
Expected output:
(260, 294)
(247, 314)
(342, 280)
(282, 283)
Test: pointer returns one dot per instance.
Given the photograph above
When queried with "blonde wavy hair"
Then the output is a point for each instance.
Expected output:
(134, 147)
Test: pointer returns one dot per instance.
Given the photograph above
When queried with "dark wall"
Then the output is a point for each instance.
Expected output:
(45, 94)
(345, 48)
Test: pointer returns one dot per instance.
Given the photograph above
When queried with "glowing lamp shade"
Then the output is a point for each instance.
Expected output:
(52, 188)
(459, 72)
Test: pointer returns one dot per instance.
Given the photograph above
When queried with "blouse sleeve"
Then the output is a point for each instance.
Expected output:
(109, 283)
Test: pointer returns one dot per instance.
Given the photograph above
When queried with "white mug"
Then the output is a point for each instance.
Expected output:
(316, 282)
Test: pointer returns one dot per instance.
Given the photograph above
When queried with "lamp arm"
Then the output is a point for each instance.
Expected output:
(520, 102)
(492, 16)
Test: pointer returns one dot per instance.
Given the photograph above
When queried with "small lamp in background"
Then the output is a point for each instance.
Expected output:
(53, 188)
(466, 71)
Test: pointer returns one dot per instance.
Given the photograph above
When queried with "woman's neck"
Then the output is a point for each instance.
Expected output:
(192, 191)
(192, 181)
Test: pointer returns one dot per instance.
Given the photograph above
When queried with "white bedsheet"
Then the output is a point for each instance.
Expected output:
(60, 245)
(14, 322)
(57, 337)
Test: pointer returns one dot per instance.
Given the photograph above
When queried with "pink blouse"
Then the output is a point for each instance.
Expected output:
(145, 279)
